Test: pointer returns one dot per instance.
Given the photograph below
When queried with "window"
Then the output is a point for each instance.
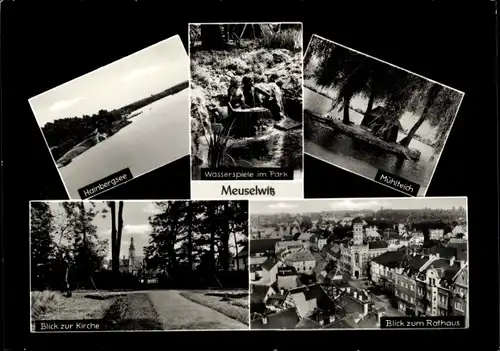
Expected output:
(459, 306)
(412, 287)
(412, 299)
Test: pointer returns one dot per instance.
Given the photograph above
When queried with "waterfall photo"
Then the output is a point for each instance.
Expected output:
(374, 119)
(246, 97)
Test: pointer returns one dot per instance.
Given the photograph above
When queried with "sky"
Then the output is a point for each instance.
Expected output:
(135, 220)
(318, 205)
(146, 72)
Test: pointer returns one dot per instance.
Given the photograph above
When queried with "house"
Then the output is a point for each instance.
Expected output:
(292, 246)
(354, 302)
(260, 293)
(240, 261)
(286, 319)
(459, 229)
(305, 237)
(382, 269)
(287, 278)
(307, 298)
(263, 247)
(265, 273)
(321, 243)
(133, 264)
(302, 261)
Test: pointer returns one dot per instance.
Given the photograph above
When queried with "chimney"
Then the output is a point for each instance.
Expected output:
(365, 309)
(379, 316)
(348, 289)
(360, 297)
(355, 294)
(332, 318)
(452, 260)
(282, 291)
(462, 264)
(264, 320)
(321, 321)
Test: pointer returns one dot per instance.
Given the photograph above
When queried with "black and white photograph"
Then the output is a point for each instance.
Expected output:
(359, 263)
(374, 119)
(246, 101)
(120, 121)
(139, 265)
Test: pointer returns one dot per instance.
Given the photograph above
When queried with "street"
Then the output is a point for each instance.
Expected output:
(177, 312)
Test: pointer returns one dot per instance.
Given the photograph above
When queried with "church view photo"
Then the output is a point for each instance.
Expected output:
(359, 263)
(139, 265)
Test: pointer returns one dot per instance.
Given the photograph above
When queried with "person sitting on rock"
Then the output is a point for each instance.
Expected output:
(252, 98)
(273, 97)
(235, 94)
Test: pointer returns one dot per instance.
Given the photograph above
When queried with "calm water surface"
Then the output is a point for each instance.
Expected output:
(359, 157)
(155, 138)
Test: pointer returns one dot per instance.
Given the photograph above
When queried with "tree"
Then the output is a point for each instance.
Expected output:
(211, 37)
(116, 234)
(432, 95)
(42, 245)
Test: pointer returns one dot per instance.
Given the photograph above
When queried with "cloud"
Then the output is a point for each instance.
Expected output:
(61, 105)
(151, 209)
(282, 205)
(355, 205)
(138, 72)
(139, 229)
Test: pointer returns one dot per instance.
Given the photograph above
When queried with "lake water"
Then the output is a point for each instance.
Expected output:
(155, 138)
(359, 157)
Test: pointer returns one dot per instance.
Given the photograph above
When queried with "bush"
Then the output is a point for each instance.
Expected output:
(43, 302)
(290, 39)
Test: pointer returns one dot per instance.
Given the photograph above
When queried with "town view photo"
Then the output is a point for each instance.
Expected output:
(128, 115)
(364, 115)
(246, 96)
(347, 263)
(140, 265)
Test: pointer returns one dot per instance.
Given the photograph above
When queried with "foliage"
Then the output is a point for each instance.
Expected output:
(290, 39)
(65, 133)
(351, 74)
(57, 235)
(195, 237)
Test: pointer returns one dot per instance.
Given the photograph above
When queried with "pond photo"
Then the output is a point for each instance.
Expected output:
(119, 121)
(246, 97)
(366, 116)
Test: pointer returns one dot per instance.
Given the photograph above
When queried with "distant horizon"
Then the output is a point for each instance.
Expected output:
(359, 205)
(117, 108)
(122, 82)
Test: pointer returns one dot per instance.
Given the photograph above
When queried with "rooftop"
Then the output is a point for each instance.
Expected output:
(286, 319)
(357, 220)
(301, 256)
(259, 292)
(262, 245)
(373, 245)
(315, 291)
(286, 271)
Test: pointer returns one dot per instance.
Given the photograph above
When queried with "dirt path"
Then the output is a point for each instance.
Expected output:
(177, 312)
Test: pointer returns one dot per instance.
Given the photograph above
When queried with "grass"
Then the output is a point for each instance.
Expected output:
(50, 305)
(232, 310)
(290, 39)
(132, 312)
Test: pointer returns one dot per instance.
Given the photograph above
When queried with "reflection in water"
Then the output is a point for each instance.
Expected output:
(156, 137)
(358, 156)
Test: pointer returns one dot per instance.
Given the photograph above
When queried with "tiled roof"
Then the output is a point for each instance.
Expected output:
(286, 319)
(305, 236)
(373, 245)
(307, 323)
(315, 291)
(390, 258)
(369, 321)
(344, 323)
(257, 260)
(262, 245)
(357, 220)
(269, 264)
(259, 293)
(301, 256)
(445, 252)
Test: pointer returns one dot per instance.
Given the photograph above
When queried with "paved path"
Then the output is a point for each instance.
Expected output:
(177, 312)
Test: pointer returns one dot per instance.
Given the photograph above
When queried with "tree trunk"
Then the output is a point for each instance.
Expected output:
(369, 107)
(212, 235)
(345, 118)
(225, 239)
(236, 249)
(115, 264)
(190, 235)
(431, 97)
(120, 229)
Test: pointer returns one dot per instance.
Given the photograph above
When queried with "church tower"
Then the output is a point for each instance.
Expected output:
(131, 254)
(357, 230)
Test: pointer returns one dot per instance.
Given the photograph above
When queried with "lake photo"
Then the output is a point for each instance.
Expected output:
(373, 119)
(120, 121)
